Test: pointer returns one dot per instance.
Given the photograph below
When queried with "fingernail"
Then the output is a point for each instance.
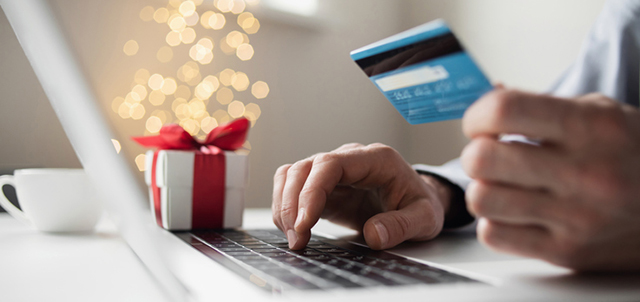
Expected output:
(292, 237)
(383, 235)
(301, 214)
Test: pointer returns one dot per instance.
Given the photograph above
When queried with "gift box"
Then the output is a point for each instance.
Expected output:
(197, 184)
(191, 191)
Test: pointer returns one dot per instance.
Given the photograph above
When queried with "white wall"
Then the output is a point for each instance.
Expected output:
(522, 43)
(319, 99)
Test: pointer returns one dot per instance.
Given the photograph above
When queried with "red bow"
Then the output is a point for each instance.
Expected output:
(209, 167)
(229, 136)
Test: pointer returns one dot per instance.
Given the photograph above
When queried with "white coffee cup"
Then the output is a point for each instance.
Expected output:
(53, 200)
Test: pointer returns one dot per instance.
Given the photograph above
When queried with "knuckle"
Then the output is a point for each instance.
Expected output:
(287, 211)
(298, 168)
(381, 148)
(611, 124)
(306, 193)
(281, 171)
(477, 157)
(324, 158)
(351, 146)
(476, 196)
(385, 153)
(504, 104)
(486, 233)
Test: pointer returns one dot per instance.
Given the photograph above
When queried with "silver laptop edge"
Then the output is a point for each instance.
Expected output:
(76, 106)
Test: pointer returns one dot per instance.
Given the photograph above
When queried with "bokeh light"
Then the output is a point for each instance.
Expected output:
(164, 54)
(115, 104)
(188, 35)
(153, 124)
(146, 14)
(238, 6)
(221, 116)
(155, 81)
(177, 23)
(208, 123)
(205, 89)
(187, 8)
(191, 92)
(235, 38)
(139, 92)
(156, 97)
(252, 111)
(182, 91)
(260, 90)
(228, 50)
(240, 81)
(176, 103)
(202, 51)
(161, 15)
(191, 126)
(130, 48)
(192, 20)
(141, 76)
(224, 96)
(189, 72)
(173, 38)
(236, 109)
(253, 27)
(169, 86)
(137, 111)
(204, 19)
(226, 76)
(244, 52)
(140, 161)
(224, 6)
(116, 145)
(217, 21)
(245, 20)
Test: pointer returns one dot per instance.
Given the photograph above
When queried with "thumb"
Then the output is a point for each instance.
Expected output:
(416, 221)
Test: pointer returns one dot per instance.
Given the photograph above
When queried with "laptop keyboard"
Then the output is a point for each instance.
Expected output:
(265, 258)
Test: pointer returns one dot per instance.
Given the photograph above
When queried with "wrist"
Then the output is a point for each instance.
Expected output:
(443, 192)
(452, 199)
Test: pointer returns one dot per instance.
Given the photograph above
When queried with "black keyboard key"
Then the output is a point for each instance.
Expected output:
(278, 254)
(297, 282)
(321, 264)
(264, 250)
(332, 277)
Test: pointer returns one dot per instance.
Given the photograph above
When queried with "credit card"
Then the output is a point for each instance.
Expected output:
(424, 72)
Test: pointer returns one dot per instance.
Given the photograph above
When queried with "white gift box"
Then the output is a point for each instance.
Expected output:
(175, 180)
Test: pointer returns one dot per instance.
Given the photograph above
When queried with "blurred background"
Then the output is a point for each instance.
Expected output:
(284, 64)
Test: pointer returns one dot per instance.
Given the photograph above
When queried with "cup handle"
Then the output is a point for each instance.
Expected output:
(7, 205)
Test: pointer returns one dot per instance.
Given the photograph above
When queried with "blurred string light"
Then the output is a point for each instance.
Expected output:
(198, 36)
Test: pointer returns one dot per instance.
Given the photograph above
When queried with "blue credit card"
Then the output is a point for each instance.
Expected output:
(424, 72)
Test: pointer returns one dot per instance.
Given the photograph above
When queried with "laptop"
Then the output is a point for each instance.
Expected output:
(254, 262)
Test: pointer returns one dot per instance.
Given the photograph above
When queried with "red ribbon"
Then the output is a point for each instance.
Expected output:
(208, 167)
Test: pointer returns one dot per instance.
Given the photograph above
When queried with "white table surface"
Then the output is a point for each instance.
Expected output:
(100, 266)
(36, 266)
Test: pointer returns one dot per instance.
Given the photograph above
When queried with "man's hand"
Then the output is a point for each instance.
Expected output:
(575, 199)
(366, 188)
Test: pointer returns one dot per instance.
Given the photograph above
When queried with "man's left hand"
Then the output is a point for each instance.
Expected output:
(574, 199)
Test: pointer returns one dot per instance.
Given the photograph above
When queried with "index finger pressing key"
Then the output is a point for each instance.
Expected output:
(363, 166)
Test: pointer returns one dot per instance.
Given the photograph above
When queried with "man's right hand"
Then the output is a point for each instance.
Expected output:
(371, 189)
